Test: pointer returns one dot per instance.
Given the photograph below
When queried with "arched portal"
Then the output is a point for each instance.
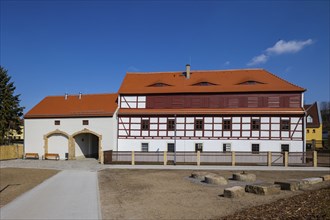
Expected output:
(87, 144)
(57, 142)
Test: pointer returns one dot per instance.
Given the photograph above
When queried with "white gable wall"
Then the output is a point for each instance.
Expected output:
(35, 129)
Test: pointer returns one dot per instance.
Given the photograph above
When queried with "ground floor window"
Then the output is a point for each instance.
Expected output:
(255, 148)
(284, 147)
(199, 147)
(226, 147)
(170, 147)
(145, 147)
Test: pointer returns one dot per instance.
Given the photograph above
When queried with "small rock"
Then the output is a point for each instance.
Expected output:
(234, 192)
(263, 189)
(215, 179)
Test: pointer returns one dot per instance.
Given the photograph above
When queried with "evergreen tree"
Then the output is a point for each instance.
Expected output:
(10, 110)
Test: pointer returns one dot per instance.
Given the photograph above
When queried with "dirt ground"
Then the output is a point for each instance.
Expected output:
(171, 194)
(16, 181)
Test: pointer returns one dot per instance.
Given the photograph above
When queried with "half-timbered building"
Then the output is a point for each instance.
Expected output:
(230, 110)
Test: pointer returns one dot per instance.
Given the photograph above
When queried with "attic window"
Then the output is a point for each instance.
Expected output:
(250, 82)
(160, 84)
(204, 84)
(309, 119)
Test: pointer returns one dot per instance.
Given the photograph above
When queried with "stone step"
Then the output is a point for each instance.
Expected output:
(263, 189)
(326, 177)
(311, 181)
(234, 192)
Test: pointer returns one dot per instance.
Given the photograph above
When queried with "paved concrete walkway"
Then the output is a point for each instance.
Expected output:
(70, 194)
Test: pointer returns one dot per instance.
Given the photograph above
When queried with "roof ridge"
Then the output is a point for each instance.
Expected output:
(192, 71)
(87, 94)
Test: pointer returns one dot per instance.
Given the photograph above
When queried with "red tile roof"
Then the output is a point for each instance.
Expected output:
(208, 81)
(210, 111)
(313, 111)
(96, 105)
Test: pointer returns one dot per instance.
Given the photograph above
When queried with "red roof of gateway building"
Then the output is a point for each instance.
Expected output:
(96, 105)
(206, 81)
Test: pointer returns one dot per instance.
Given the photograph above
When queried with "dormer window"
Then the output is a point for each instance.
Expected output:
(159, 84)
(309, 119)
(204, 83)
(250, 82)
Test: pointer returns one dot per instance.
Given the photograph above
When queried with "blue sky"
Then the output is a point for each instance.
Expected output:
(57, 47)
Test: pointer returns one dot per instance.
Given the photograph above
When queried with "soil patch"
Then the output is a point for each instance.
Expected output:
(16, 181)
(171, 194)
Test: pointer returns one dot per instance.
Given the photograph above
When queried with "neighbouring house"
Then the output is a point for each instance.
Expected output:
(73, 126)
(313, 126)
(216, 111)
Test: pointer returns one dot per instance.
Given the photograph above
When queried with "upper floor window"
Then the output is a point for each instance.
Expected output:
(284, 147)
(199, 124)
(285, 125)
(145, 125)
(255, 124)
(309, 119)
(171, 124)
(227, 125)
(85, 122)
(57, 122)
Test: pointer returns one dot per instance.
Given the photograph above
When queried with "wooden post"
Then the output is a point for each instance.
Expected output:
(286, 158)
(269, 158)
(315, 158)
(133, 158)
(233, 159)
(198, 158)
(165, 158)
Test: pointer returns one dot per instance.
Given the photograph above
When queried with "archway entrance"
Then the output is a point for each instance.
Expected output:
(86, 145)
(57, 142)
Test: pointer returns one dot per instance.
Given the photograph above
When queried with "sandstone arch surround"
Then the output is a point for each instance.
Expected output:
(71, 142)
(57, 131)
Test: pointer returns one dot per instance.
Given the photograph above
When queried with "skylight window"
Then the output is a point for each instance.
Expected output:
(159, 84)
(250, 82)
(204, 83)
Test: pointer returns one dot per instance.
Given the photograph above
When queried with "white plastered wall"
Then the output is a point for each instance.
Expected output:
(209, 145)
(35, 129)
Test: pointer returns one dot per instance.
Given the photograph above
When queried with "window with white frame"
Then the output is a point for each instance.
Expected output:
(226, 147)
(309, 119)
(145, 147)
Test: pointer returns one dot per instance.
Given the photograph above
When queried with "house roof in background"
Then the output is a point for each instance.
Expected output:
(313, 111)
(90, 105)
(206, 81)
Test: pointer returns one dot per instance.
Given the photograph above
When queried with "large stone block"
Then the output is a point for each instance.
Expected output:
(215, 179)
(234, 192)
(292, 185)
(311, 181)
(246, 177)
(199, 175)
(326, 177)
(263, 189)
